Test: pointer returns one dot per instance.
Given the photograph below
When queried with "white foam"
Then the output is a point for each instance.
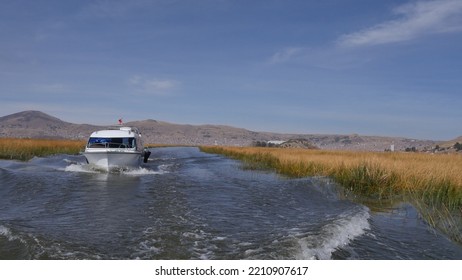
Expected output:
(86, 168)
(142, 171)
(145, 247)
(9, 235)
(80, 168)
(148, 230)
(219, 238)
(165, 167)
(69, 161)
(337, 234)
(5, 231)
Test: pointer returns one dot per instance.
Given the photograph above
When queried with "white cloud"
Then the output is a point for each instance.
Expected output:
(414, 20)
(153, 86)
(327, 58)
(159, 85)
(285, 55)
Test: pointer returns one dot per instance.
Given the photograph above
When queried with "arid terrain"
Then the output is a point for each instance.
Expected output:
(36, 124)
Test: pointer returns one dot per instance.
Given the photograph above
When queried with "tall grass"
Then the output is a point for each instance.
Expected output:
(25, 149)
(433, 183)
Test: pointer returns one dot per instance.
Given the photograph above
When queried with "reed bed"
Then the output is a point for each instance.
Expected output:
(437, 178)
(25, 149)
(433, 183)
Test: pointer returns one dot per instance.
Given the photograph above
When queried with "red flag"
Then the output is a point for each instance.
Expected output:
(120, 121)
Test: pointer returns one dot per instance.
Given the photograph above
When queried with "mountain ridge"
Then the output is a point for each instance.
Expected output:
(36, 124)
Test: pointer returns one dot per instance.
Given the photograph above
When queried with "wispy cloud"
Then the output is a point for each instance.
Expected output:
(326, 58)
(411, 21)
(286, 54)
(414, 20)
(153, 86)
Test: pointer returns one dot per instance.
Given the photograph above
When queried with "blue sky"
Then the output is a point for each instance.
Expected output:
(390, 68)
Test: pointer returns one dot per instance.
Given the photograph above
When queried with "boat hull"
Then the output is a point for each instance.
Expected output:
(108, 160)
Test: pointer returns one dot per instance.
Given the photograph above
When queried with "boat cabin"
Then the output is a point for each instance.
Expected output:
(121, 138)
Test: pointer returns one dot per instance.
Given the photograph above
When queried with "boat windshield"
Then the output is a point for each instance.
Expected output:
(106, 142)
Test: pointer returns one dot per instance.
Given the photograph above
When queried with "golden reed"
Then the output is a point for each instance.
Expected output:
(25, 149)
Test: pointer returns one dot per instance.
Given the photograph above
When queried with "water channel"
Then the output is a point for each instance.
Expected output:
(185, 204)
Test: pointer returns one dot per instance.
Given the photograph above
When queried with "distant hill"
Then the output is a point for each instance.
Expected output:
(36, 124)
(31, 119)
(169, 133)
(450, 144)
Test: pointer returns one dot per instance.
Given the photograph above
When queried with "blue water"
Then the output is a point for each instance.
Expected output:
(185, 204)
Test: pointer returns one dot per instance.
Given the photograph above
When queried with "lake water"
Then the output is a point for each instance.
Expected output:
(185, 204)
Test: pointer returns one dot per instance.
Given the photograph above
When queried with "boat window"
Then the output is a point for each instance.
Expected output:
(107, 142)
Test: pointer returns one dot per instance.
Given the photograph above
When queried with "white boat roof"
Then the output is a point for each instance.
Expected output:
(117, 132)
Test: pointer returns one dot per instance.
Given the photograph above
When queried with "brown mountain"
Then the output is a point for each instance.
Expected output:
(31, 120)
(450, 144)
(36, 124)
(184, 134)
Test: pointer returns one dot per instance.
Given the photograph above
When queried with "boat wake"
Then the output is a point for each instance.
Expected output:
(6, 233)
(15, 245)
(143, 171)
(337, 234)
(81, 168)
(140, 171)
(184, 204)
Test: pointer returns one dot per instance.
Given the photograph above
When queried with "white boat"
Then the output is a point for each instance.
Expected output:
(116, 148)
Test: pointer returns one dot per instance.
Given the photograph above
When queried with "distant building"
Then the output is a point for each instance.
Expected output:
(275, 142)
